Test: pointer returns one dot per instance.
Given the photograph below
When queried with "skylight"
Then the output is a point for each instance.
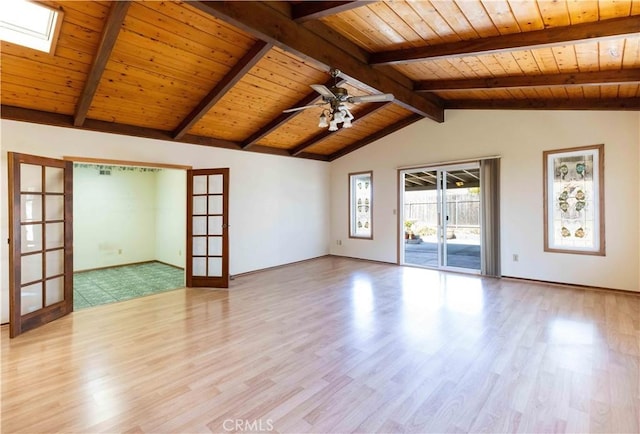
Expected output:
(29, 24)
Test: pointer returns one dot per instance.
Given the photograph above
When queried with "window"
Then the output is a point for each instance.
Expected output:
(361, 205)
(574, 200)
(30, 24)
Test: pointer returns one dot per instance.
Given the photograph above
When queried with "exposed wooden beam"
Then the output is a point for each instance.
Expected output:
(449, 174)
(430, 174)
(629, 104)
(357, 117)
(546, 80)
(235, 74)
(413, 181)
(421, 178)
(283, 118)
(268, 23)
(425, 181)
(312, 141)
(338, 39)
(60, 120)
(314, 10)
(110, 32)
(312, 156)
(471, 174)
(615, 27)
(375, 136)
(431, 187)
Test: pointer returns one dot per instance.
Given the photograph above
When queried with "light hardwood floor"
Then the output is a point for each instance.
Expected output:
(334, 345)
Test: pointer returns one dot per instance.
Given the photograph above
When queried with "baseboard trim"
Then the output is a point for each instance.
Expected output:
(168, 264)
(375, 261)
(275, 267)
(128, 264)
(572, 285)
(523, 279)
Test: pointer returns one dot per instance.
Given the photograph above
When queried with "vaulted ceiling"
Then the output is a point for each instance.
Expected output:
(221, 73)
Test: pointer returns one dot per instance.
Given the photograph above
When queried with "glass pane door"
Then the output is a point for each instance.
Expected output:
(421, 223)
(461, 218)
(41, 241)
(441, 217)
(208, 228)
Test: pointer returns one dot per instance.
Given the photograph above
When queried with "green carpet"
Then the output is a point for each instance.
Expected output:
(93, 288)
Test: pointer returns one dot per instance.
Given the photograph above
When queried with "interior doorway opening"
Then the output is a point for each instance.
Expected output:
(46, 243)
(440, 220)
(129, 232)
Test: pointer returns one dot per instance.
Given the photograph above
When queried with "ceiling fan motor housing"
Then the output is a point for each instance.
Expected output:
(340, 93)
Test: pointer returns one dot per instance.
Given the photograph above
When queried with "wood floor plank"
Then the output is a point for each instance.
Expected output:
(334, 345)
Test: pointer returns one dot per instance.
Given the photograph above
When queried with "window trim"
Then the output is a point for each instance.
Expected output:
(352, 178)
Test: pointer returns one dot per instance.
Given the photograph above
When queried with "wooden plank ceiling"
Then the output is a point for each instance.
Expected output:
(221, 73)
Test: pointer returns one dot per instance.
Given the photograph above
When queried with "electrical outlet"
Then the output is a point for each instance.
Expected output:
(179, 252)
(516, 257)
(119, 251)
(339, 242)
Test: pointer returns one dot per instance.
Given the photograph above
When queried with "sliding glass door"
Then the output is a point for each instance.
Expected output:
(461, 218)
(440, 216)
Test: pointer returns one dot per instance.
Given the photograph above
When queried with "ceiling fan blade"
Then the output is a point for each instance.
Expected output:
(323, 90)
(371, 98)
(295, 109)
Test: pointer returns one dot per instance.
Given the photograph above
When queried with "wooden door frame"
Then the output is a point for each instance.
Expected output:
(19, 323)
(439, 169)
(202, 281)
(16, 322)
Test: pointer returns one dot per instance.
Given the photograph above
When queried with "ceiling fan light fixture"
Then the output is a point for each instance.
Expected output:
(337, 98)
(338, 116)
(348, 117)
(323, 121)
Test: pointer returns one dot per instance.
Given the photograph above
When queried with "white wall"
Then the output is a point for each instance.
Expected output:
(132, 215)
(519, 137)
(170, 217)
(278, 210)
(114, 217)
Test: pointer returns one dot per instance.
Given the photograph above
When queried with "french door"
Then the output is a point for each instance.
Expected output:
(441, 217)
(208, 228)
(40, 241)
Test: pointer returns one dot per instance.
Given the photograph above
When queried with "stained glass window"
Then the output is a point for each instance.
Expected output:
(361, 205)
(573, 198)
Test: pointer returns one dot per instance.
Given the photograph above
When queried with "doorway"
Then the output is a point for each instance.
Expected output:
(129, 235)
(440, 217)
(41, 228)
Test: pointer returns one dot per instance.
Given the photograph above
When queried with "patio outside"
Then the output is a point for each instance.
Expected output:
(463, 229)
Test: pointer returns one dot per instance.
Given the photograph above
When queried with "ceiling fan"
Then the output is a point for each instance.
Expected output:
(337, 97)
